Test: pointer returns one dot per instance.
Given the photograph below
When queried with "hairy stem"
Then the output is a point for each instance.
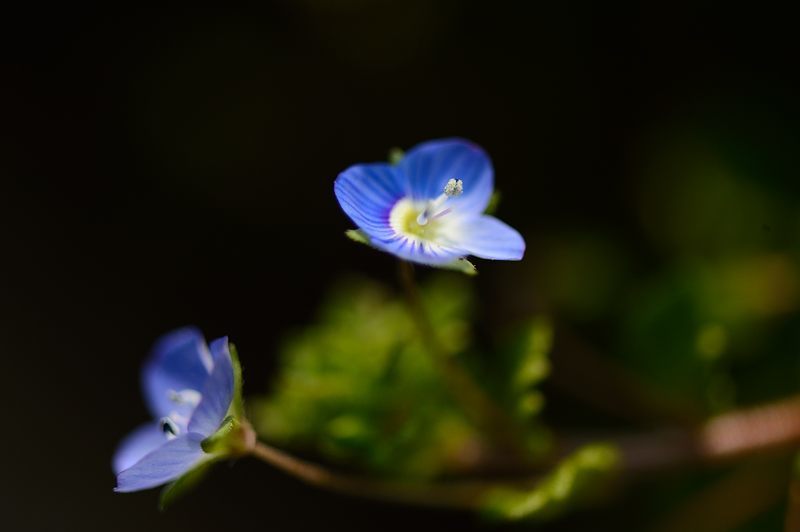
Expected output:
(460, 495)
(473, 399)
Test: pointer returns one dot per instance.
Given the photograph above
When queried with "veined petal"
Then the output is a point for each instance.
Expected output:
(162, 465)
(366, 193)
(429, 166)
(485, 237)
(217, 392)
(137, 444)
(420, 251)
(179, 361)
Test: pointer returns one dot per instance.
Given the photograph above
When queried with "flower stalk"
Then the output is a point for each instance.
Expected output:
(472, 398)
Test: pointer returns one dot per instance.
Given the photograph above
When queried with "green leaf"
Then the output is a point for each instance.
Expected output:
(184, 484)
(576, 479)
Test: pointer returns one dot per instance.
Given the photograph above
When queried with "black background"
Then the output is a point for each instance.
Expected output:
(170, 168)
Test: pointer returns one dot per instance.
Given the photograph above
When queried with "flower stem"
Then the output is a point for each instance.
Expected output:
(473, 399)
(770, 428)
(456, 495)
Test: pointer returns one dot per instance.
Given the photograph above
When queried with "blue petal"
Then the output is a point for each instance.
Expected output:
(162, 465)
(488, 238)
(137, 444)
(428, 166)
(180, 360)
(426, 253)
(367, 193)
(217, 393)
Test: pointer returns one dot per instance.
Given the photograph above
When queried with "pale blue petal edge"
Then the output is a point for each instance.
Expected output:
(488, 238)
(142, 441)
(162, 465)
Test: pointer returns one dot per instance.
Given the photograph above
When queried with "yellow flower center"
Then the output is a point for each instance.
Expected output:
(420, 220)
(405, 220)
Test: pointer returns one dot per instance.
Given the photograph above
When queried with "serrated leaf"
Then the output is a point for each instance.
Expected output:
(574, 480)
(534, 365)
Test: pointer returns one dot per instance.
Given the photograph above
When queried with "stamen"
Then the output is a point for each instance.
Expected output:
(185, 397)
(169, 427)
(453, 188)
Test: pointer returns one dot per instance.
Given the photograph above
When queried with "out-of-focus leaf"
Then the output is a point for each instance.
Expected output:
(396, 155)
(494, 202)
(517, 367)
(576, 479)
(685, 329)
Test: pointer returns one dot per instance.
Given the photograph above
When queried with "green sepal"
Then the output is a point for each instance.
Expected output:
(396, 155)
(184, 484)
(461, 265)
(576, 479)
(494, 203)
(237, 404)
(357, 235)
(219, 440)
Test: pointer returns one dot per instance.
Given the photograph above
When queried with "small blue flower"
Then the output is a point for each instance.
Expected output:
(189, 387)
(429, 207)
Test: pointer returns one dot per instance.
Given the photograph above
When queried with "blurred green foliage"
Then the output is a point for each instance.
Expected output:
(698, 304)
(360, 388)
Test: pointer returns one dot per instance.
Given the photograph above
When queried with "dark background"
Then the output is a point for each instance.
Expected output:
(169, 168)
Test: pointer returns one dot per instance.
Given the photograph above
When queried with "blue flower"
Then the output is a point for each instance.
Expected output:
(429, 207)
(189, 387)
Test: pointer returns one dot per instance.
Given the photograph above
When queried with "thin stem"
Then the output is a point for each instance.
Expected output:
(456, 495)
(770, 428)
(473, 399)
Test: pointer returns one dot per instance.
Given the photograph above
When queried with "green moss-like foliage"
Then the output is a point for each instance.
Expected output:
(360, 388)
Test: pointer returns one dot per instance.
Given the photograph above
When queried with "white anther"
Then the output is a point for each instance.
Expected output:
(454, 187)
